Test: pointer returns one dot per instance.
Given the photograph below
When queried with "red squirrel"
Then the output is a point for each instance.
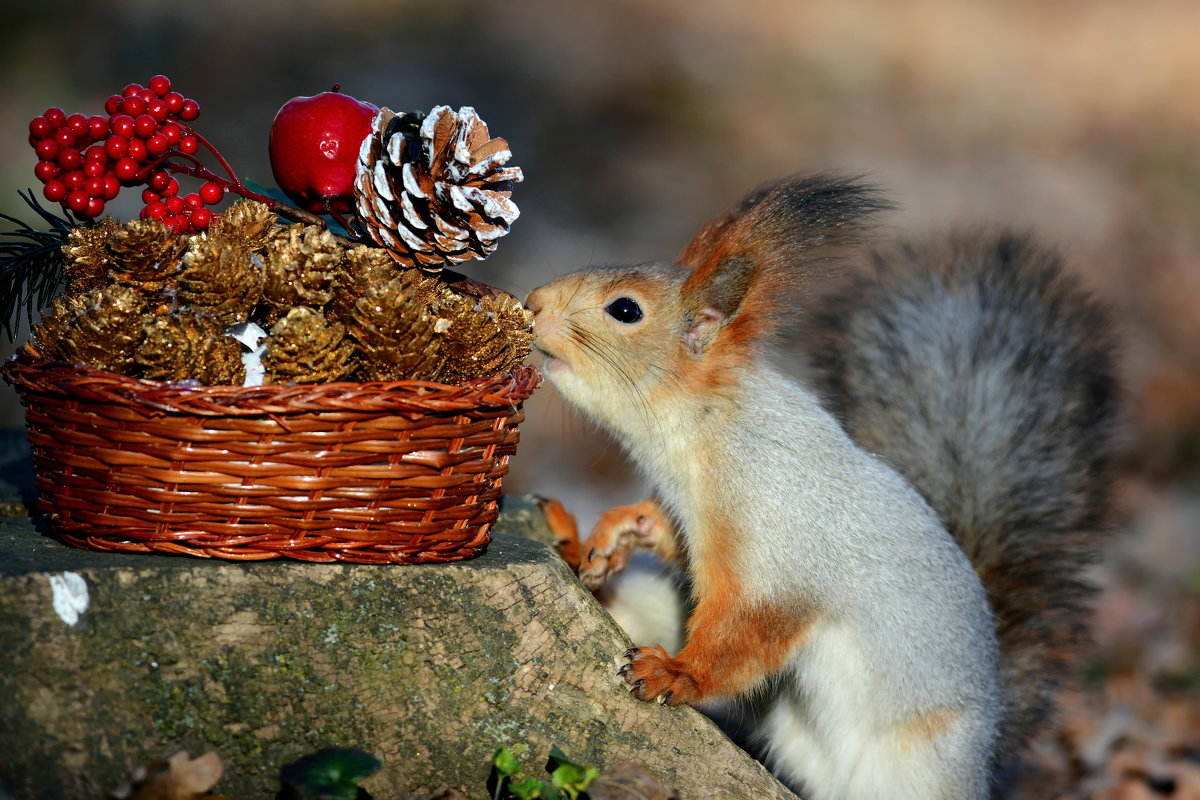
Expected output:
(894, 577)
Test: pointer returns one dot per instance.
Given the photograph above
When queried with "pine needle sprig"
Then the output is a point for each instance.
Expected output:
(31, 264)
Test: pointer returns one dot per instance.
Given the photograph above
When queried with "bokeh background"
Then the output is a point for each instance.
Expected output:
(637, 120)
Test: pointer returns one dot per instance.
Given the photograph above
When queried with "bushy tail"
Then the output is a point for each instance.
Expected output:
(984, 373)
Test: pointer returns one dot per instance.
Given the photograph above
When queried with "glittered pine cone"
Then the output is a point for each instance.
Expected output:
(395, 334)
(107, 330)
(189, 345)
(362, 268)
(86, 257)
(246, 223)
(145, 255)
(47, 336)
(476, 342)
(305, 347)
(221, 279)
(434, 190)
(515, 319)
(302, 262)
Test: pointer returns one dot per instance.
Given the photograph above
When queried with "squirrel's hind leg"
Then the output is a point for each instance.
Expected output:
(566, 532)
(827, 733)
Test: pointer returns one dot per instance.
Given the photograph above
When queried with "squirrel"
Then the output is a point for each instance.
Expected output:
(894, 577)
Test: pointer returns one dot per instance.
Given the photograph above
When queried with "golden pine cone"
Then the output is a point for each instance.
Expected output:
(474, 342)
(362, 268)
(190, 345)
(86, 255)
(514, 318)
(47, 336)
(107, 331)
(434, 190)
(395, 334)
(305, 347)
(246, 223)
(221, 279)
(302, 262)
(144, 254)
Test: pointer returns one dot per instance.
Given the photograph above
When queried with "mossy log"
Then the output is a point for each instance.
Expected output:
(111, 660)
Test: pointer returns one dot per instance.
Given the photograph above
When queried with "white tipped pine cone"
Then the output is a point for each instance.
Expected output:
(434, 190)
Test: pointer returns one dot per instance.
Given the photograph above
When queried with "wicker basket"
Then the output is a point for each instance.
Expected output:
(404, 472)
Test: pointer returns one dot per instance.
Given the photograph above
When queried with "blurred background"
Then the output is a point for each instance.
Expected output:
(637, 121)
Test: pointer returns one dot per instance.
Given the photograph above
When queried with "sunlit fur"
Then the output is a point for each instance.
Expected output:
(812, 561)
(823, 584)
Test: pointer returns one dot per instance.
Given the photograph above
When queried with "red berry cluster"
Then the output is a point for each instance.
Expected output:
(83, 162)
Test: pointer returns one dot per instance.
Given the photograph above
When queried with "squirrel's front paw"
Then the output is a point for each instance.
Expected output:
(651, 674)
(617, 532)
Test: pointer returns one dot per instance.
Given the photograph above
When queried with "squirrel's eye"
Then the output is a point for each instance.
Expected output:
(624, 309)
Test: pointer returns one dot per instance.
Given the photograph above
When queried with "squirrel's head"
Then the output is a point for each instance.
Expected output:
(631, 343)
(611, 336)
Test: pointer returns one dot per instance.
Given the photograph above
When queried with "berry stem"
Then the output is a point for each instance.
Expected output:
(337, 217)
(216, 153)
(233, 184)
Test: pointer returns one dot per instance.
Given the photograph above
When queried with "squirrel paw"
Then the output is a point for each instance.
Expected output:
(617, 532)
(651, 674)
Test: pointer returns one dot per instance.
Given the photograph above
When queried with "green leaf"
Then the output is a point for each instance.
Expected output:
(534, 789)
(275, 193)
(557, 756)
(572, 778)
(505, 762)
(330, 774)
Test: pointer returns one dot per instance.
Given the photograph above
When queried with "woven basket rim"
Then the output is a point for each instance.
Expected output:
(30, 373)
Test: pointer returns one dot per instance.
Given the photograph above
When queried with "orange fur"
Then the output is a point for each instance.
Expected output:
(731, 644)
(700, 248)
(731, 647)
(566, 532)
(619, 531)
(750, 264)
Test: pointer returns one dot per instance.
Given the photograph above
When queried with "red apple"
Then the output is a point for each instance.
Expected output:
(314, 147)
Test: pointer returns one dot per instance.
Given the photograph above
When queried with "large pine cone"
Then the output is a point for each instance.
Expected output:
(435, 190)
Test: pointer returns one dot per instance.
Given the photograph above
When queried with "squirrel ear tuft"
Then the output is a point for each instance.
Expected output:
(749, 264)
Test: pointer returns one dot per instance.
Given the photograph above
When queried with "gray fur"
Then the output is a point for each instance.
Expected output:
(984, 373)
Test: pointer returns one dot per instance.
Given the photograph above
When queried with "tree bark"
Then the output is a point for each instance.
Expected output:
(112, 660)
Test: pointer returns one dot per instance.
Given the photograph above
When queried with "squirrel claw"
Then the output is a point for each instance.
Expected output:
(651, 674)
